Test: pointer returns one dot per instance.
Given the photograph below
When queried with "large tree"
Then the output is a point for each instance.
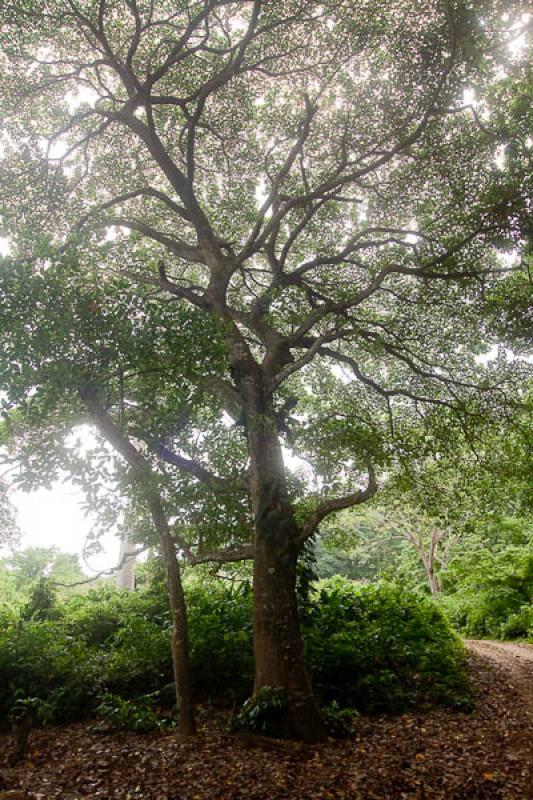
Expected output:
(324, 181)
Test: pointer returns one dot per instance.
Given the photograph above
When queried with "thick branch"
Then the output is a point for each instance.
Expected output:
(183, 292)
(103, 420)
(147, 191)
(338, 504)
(178, 247)
(196, 469)
(385, 393)
(255, 241)
(229, 398)
(243, 553)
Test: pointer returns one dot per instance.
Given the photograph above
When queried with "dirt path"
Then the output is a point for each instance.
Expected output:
(516, 660)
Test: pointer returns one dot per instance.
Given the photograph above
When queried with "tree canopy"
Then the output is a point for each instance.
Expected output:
(311, 176)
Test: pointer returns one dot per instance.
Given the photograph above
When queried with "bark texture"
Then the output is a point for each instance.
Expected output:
(180, 635)
(278, 647)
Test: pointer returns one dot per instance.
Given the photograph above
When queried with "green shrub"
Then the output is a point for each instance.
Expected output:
(42, 604)
(100, 614)
(519, 625)
(8, 618)
(134, 631)
(372, 648)
(493, 597)
(382, 648)
(138, 658)
(220, 635)
(105, 641)
(42, 660)
(126, 715)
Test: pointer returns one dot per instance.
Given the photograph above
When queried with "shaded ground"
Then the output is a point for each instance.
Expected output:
(440, 754)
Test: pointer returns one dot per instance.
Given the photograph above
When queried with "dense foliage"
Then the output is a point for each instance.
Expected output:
(458, 525)
(491, 591)
(380, 647)
(8, 525)
(485, 579)
(371, 648)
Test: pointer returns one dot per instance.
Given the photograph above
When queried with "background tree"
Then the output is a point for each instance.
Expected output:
(311, 180)
(464, 488)
(478, 501)
(34, 563)
(373, 541)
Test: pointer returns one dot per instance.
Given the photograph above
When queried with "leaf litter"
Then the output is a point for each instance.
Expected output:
(440, 755)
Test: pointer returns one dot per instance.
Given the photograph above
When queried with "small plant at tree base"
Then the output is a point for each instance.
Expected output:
(23, 713)
(340, 722)
(35, 709)
(262, 713)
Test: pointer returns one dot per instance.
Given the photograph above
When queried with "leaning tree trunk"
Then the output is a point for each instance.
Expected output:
(178, 612)
(278, 648)
(427, 559)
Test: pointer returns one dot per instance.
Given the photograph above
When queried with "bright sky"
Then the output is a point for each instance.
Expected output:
(55, 517)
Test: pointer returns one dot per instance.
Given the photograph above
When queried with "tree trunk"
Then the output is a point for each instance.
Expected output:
(278, 648)
(143, 477)
(180, 636)
(428, 561)
(434, 584)
(125, 578)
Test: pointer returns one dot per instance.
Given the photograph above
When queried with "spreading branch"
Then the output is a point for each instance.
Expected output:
(338, 504)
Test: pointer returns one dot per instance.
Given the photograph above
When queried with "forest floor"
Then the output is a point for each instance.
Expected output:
(436, 755)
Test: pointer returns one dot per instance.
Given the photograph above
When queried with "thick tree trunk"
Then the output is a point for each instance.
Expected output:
(180, 636)
(278, 648)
